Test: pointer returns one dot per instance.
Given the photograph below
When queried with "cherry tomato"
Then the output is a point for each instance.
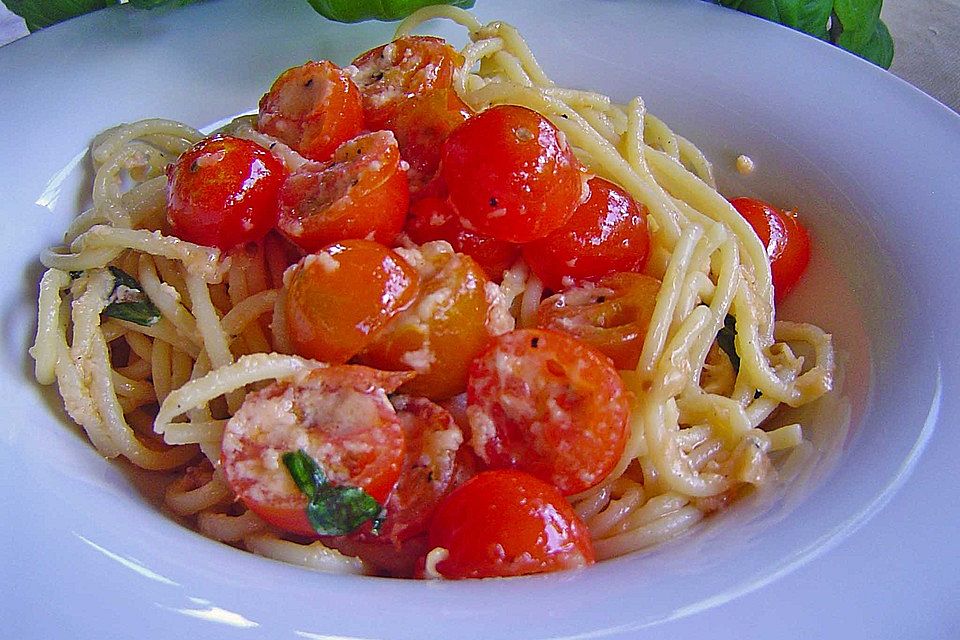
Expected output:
(421, 128)
(511, 174)
(786, 240)
(223, 191)
(360, 193)
(429, 464)
(339, 415)
(508, 523)
(442, 331)
(548, 404)
(611, 316)
(607, 234)
(433, 218)
(313, 108)
(339, 298)
(391, 75)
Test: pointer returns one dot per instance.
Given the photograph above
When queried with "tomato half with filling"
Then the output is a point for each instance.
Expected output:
(340, 416)
(393, 74)
(606, 234)
(612, 315)
(449, 323)
(313, 108)
(784, 237)
(511, 174)
(430, 461)
(546, 403)
(339, 298)
(360, 193)
(433, 218)
(508, 523)
(224, 191)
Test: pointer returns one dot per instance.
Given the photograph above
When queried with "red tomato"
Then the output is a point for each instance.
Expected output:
(223, 191)
(546, 403)
(391, 75)
(786, 240)
(611, 316)
(433, 218)
(313, 108)
(360, 193)
(511, 174)
(421, 128)
(607, 234)
(429, 464)
(339, 415)
(338, 299)
(508, 523)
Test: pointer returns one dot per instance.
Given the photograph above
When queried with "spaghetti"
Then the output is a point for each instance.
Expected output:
(160, 394)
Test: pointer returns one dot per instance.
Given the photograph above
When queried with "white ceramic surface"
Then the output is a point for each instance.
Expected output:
(871, 162)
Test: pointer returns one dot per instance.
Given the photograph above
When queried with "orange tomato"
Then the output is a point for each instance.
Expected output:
(338, 299)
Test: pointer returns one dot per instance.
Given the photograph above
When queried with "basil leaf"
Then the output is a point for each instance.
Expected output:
(337, 511)
(809, 16)
(305, 471)
(726, 340)
(131, 305)
(359, 10)
(858, 19)
(878, 49)
(142, 312)
(43, 13)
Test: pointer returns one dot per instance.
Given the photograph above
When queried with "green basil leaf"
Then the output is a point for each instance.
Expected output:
(878, 49)
(359, 10)
(305, 471)
(337, 511)
(809, 16)
(726, 340)
(761, 8)
(142, 312)
(43, 13)
(858, 20)
(121, 277)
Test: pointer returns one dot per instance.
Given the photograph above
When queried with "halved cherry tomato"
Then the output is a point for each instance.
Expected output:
(786, 240)
(508, 523)
(607, 234)
(339, 415)
(360, 193)
(433, 218)
(389, 76)
(548, 404)
(442, 331)
(429, 464)
(339, 298)
(223, 191)
(511, 174)
(313, 108)
(611, 316)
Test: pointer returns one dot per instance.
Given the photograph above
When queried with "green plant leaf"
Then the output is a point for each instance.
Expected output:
(809, 16)
(43, 13)
(726, 340)
(359, 10)
(858, 20)
(878, 49)
(130, 303)
(305, 471)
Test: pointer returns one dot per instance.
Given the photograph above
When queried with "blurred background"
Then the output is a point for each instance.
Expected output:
(926, 35)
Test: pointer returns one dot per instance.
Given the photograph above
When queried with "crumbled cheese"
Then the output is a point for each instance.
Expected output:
(745, 165)
(419, 360)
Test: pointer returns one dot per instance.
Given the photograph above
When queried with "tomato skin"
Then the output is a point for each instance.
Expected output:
(611, 316)
(606, 234)
(429, 467)
(511, 174)
(546, 403)
(339, 415)
(313, 108)
(223, 191)
(433, 218)
(391, 75)
(361, 193)
(444, 328)
(785, 239)
(339, 298)
(508, 523)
